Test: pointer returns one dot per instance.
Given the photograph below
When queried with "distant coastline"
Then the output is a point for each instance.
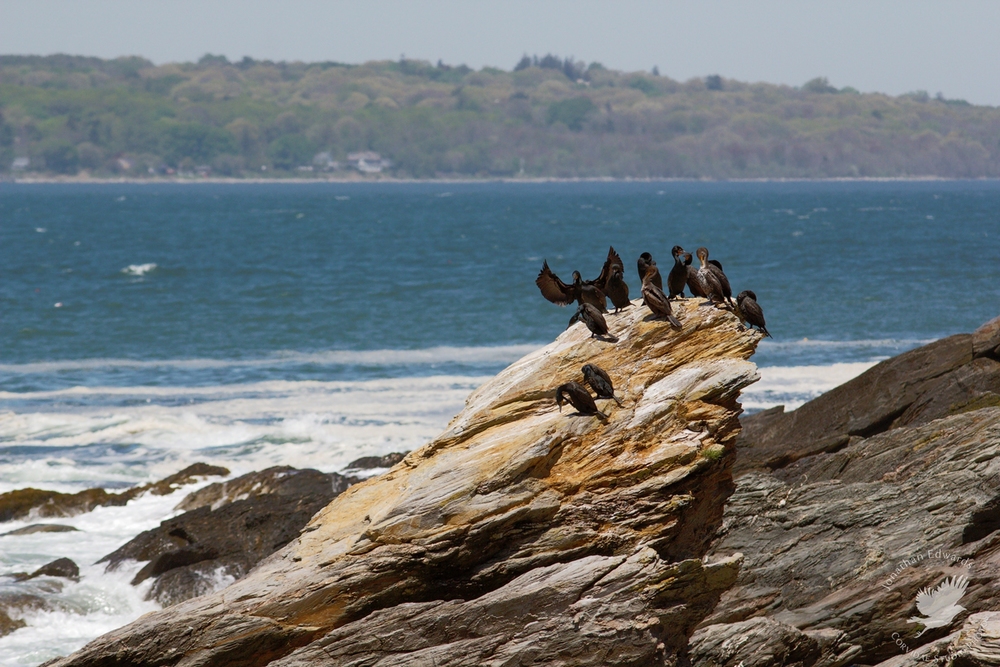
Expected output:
(547, 120)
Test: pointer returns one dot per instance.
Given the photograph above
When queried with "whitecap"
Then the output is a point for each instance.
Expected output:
(138, 269)
(792, 386)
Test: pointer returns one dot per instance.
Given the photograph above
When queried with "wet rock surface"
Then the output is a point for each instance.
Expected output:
(520, 535)
(29, 502)
(40, 528)
(8, 624)
(229, 528)
(61, 567)
(841, 537)
(21, 592)
(372, 462)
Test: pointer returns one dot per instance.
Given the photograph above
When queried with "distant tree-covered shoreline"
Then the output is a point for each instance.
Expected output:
(549, 117)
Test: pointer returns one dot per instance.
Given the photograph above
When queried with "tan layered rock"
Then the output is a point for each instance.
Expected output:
(520, 534)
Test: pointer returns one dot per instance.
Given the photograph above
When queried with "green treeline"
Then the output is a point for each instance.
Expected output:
(548, 117)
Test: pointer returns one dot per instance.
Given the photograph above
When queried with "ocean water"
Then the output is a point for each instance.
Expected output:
(146, 327)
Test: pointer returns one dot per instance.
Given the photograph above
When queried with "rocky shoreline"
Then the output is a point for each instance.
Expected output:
(671, 535)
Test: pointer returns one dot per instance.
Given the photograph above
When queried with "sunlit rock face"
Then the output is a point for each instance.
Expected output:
(521, 534)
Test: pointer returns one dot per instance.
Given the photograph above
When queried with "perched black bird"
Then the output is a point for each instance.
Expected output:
(693, 281)
(578, 396)
(616, 289)
(643, 263)
(610, 263)
(592, 295)
(707, 280)
(715, 266)
(592, 317)
(656, 299)
(677, 278)
(600, 382)
(746, 303)
(561, 294)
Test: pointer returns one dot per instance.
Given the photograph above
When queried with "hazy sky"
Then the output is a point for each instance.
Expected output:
(892, 46)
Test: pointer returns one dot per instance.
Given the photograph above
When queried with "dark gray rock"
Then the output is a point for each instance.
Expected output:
(847, 507)
(234, 526)
(370, 462)
(8, 624)
(40, 528)
(943, 378)
(279, 480)
(986, 340)
(22, 503)
(61, 567)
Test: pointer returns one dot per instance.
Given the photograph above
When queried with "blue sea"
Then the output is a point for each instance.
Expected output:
(145, 327)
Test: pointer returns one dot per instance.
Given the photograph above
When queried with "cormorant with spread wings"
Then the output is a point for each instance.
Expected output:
(581, 291)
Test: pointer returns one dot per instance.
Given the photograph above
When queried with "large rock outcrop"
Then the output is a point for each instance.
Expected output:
(847, 507)
(521, 534)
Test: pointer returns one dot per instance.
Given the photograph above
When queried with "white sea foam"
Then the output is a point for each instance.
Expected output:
(138, 269)
(307, 424)
(861, 344)
(100, 601)
(500, 354)
(792, 386)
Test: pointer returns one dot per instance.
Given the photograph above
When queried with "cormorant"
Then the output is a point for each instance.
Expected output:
(561, 294)
(577, 396)
(715, 266)
(655, 298)
(610, 263)
(591, 294)
(746, 303)
(600, 382)
(677, 277)
(644, 262)
(693, 281)
(592, 317)
(708, 280)
(616, 289)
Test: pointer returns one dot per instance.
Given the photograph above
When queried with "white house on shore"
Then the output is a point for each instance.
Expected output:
(368, 162)
(325, 162)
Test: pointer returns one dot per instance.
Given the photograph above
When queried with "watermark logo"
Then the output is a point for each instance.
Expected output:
(937, 605)
(940, 606)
